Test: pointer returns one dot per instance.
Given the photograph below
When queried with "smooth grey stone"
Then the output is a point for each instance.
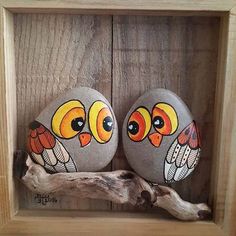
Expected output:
(160, 138)
(76, 132)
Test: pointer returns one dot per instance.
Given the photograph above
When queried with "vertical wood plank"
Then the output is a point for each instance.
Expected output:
(220, 166)
(177, 53)
(3, 139)
(4, 202)
(8, 203)
(224, 188)
(54, 53)
(4, 194)
(11, 110)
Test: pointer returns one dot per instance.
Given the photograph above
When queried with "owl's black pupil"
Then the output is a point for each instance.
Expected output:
(77, 124)
(158, 122)
(133, 127)
(108, 123)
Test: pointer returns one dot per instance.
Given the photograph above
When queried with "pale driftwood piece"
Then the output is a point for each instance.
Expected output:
(119, 186)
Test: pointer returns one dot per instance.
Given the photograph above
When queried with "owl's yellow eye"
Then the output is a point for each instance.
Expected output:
(164, 118)
(101, 122)
(69, 119)
(139, 124)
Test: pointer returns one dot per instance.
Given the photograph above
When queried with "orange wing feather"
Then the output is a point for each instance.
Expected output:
(47, 150)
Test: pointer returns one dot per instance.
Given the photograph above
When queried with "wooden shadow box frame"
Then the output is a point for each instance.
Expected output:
(14, 221)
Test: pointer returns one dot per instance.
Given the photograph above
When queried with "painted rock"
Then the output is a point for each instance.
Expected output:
(76, 132)
(160, 137)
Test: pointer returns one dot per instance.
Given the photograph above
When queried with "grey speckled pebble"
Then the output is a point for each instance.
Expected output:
(76, 132)
(160, 137)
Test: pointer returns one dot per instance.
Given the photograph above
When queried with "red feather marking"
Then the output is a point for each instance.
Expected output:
(36, 146)
(47, 140)
(33, 133)
(41, 129)
(194, 138)
(190, 135)
(198, 135)
(185, 134)
(193, 141)
(39, 139)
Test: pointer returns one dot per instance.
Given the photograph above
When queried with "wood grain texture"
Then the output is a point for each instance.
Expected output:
(62, 222)
(74, 223)
(4, 203)
(225, 184)
(8, 203)
(3, 123)
(177, 53)
(120, 186)
(206, 5)
(4, 195)
(10, 76)
(53, 54)
(220, 166)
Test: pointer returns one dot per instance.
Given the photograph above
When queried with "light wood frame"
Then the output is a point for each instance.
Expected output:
(223, 192)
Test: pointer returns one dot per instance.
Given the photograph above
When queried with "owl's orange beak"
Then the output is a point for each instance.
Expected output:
(85, 139)
(155, 139)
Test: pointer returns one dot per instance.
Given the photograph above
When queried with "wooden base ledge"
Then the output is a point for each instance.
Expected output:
(119, 186)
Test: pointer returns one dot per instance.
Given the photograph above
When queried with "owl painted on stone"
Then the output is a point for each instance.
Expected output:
(76, 132)
(160, 138)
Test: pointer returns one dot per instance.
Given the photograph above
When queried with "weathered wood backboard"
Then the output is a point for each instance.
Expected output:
(122, 49)
(122, 57)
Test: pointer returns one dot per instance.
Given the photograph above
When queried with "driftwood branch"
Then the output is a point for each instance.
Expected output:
(119, 186)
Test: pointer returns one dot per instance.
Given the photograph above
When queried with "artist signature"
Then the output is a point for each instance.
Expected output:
(44, 199)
